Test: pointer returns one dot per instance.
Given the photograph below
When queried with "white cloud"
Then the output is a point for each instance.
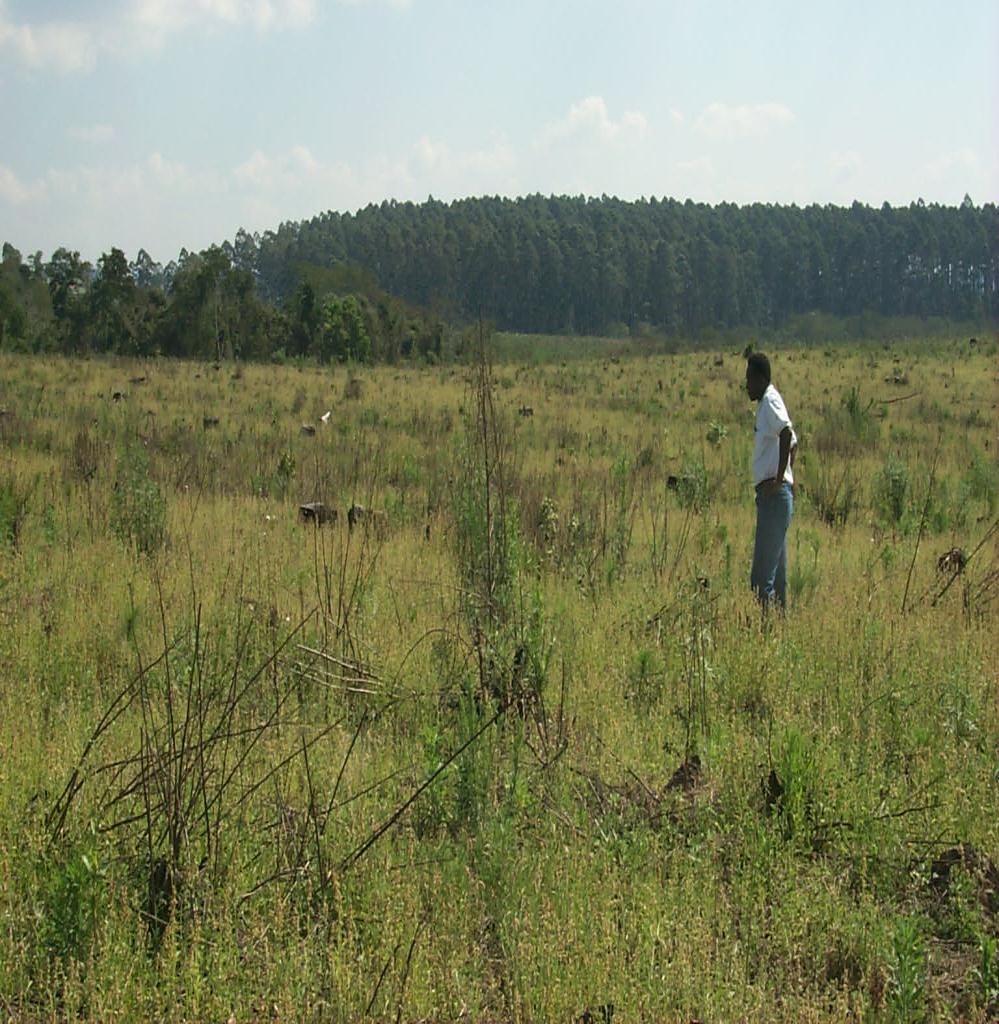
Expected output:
(295, 169)
(590, 120)
(14, 191)
(155, 20)
(399, 5)
(698, 167)
(744, 120)
(846, 166)
(94, 133)
(676, 117)
(438, 158)
(62, 45)
(129, 26)
(297, 183)
(163, 204)
(963, 161)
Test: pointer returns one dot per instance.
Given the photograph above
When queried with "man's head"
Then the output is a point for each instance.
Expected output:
(757, 375)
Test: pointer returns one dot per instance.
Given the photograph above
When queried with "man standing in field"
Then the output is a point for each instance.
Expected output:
(774, 449)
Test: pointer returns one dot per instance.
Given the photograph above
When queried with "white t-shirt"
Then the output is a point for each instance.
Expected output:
(771, 419)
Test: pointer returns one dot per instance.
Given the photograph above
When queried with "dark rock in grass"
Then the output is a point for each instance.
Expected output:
(687, 776)
(978, 865)
(207, 422)
(317, 513)
(603, 1014)
(773, 790)
(358, 515)
(952, 561)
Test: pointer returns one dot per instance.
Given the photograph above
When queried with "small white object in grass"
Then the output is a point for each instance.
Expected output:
(325, 418)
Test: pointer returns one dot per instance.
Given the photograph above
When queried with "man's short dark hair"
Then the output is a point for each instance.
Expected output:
(759, 364)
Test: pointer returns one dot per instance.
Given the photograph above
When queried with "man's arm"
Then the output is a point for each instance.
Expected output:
(785, 453)
(784, 440)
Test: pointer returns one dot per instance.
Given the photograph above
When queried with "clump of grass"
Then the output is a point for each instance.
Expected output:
(907, 998)
(138, 515)
(892, 491)
(833, 493)
(849, 428)
(980, 483)
(645, 680)
(15, 499)
(694, 487)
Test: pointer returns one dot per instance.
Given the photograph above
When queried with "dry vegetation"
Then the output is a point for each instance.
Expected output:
(517, 746)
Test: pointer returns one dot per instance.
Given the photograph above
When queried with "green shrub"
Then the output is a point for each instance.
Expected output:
(70, 891)
(892, 491)
(15, 496)
(987, 971)
(833, 496)
(138, 509)
(908, 973)
(849, 428)
(980, 483)
(644, 685)
(798, 774)
(693, 488)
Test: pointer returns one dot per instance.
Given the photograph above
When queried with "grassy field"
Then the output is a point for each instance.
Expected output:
(518, 746)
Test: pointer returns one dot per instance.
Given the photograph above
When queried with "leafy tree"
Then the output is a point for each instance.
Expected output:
(113, 305)
(344, 332)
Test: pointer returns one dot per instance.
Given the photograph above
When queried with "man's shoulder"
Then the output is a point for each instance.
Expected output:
(773, 398)
(773, 408)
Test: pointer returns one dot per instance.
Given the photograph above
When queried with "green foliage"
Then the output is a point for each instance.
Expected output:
(861, 423)
(833, 493)
(980, 483)
(15, 498)
(907, 998)
(803, 575)
(797, 805)
(645, 680)
(344, 335)
(11, 512)
(25, 304)
(693, 487)
(138, 509)
(848, 429)
(286, 468)
(72, 888)
(987, 970)
(892, 491)
(717, 433)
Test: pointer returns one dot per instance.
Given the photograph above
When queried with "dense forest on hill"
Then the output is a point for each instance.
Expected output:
(382, 283)
(552, 264)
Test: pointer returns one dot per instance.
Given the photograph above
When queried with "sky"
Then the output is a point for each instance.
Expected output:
(162, 124)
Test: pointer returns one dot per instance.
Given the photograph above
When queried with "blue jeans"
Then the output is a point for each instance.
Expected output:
(773, 517)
